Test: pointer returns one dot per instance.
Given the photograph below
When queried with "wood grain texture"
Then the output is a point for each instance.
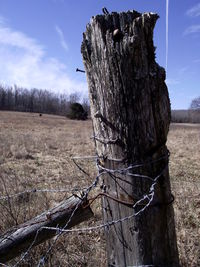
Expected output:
(20, 238)
(130, 103)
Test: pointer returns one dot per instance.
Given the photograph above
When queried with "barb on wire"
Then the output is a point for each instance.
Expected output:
(143, 202)
(101, 226)
(24, 255)
(81, 169)
(132, 166)
(42, 259)
(148, 197)
(84, 197)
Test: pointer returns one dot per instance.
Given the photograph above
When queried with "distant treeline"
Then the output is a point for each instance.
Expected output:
(43, 101)
(36, 100)
(186, 116)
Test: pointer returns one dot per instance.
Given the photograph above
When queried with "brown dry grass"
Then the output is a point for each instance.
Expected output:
(184, 144)
(35, 152)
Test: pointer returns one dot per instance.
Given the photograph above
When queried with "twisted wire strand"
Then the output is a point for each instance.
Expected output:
(147, 199)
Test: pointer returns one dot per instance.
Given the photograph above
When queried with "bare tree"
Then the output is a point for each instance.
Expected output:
(86, 105)
(74, 97)
(195, 104)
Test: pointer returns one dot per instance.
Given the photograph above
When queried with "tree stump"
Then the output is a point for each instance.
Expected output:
(130, 110)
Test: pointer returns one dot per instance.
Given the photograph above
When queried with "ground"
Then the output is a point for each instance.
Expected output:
(36, 152)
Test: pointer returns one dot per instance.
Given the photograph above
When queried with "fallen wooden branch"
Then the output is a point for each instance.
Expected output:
(69, 212)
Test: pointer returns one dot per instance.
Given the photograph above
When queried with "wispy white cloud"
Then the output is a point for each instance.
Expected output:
(62, 38)
(194, 11)
(16, 39)
(24, 61)
(192, 29)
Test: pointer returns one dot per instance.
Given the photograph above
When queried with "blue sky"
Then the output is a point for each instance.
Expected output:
(40, 43)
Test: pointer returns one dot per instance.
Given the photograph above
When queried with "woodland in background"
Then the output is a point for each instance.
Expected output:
(43, 101)
(185, 116)
(38, 101)
(192, 115)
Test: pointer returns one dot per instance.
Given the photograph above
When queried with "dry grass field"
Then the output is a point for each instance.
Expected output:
(35, 152)
(184, 145)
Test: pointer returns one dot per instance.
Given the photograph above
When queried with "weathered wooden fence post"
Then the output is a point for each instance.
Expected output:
(131, 114)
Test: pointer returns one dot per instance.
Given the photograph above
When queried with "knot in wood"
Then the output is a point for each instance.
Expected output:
(98, 114)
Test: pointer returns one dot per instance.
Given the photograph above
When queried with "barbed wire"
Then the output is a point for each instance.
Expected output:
(42, 260)
(144, 202)
(149, 197)
(84, 197)
(59, 233)
(85, 192)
